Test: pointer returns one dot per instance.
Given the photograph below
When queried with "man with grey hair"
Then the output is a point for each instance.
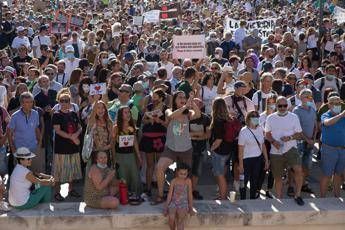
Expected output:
(282, 130)
(24, 126)
(306, 113)
(218, 57)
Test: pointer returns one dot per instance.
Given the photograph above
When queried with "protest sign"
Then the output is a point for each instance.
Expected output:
(58, 28)
(154, 113)
(138, 20)
(152, 16)
(265, 26)
(189, 46)
(61, 17)
(339, 15)
(126, 141)
(167, 15)
(98, 89)
(77, 21)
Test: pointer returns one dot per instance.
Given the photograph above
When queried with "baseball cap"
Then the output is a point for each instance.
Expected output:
(10, 69)
(239, 84)
(20, 28)
(69, 49)
(128, 56)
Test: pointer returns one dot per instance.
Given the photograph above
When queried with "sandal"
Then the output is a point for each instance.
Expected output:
(157, 201)
(74, 193)
(58, 197)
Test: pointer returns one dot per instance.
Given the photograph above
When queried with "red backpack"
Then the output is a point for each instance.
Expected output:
(232, 129)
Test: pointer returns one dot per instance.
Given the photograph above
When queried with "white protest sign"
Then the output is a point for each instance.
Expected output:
(154, 113)
(126, 141)
(98, 89)
(138, 20)
(265, 26)
(189, 46)
(339, 15)
(152, 16)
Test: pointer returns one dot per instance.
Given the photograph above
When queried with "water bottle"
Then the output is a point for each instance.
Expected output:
(123, 190)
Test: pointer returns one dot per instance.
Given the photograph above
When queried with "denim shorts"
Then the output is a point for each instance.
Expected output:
(306, 153)
(218, 163)
(332, 160)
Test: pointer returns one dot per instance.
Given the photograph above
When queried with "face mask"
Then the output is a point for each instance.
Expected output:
(213, 39)
(282, 113)
(254, 121)
(217, 56)
(151, 43)
(105, 61)
(310, 104)
(70, 55)
(272, 107)
(102, 166)
(146, 84)
(86, 88)
(336, 109)
(330, 77)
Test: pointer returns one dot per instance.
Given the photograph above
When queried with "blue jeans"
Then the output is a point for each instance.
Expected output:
(218, 164)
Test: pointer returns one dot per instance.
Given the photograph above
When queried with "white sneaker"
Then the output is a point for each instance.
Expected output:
(4, 206)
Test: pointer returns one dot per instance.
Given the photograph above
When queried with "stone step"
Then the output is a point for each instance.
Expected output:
(249, 214)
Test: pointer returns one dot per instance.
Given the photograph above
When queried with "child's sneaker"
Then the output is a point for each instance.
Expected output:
(4, 206)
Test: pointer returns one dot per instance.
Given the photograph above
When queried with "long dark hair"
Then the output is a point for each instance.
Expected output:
(119, 121)
(174, 106)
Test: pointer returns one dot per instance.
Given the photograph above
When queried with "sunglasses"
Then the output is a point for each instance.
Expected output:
(283, 106)
(123, 91)
(64, 100)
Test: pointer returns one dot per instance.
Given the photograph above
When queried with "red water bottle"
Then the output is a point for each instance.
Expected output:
(123, 189)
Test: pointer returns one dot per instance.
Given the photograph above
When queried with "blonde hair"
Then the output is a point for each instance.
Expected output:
(63, 91)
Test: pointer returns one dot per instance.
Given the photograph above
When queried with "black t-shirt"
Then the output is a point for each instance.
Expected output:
(68, 123)
(218, 132)
(13, 104)
(112, 95)
(155, 127)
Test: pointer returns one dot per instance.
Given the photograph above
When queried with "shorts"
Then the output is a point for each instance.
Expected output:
(332, 160)
(218, 163)
(280, 162)
(184, 157)
(306, 154)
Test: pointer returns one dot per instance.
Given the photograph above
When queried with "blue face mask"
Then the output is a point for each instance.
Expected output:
(146, 84)
(254, 121)
(70, 55)
(102, 166)
(310, 103)
(336, 109)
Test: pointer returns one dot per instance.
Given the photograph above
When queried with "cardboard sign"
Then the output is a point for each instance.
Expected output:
(152, 16)
(98, 89)
(339, 15)
(58, 28)
(138, 20)
(189, 46)
(170, 14)
(154, 113)
(126, 141)
(265, 26)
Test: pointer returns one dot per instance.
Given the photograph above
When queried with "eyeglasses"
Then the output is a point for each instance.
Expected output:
(64, 100)
(50, 74)
(283, 106)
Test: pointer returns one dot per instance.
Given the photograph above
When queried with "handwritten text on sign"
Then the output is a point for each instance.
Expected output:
(189, 46)
(265, 26)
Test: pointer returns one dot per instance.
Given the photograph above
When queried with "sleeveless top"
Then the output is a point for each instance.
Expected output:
(179, 197)
(124, 143)
(178, 136)
(93, 196)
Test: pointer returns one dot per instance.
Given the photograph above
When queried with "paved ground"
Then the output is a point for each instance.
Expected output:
(208, 188)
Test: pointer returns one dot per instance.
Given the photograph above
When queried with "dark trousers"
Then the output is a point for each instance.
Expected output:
(270, 179)
(252, 170)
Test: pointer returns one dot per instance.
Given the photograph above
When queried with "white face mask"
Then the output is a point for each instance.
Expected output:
(102, 166)
(105, 61)
(217, 56)
(86, 88)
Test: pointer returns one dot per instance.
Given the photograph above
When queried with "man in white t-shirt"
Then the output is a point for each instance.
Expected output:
(282, 130)
(21, 39)
(41, 39)
(71, 63)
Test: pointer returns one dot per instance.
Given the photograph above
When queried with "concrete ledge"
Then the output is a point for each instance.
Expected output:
(255, 214)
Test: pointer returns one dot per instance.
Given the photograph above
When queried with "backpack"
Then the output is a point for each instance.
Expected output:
(232, 129)
(260, 99)
(322, 84)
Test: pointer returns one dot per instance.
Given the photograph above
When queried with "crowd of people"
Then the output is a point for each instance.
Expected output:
(257, 104)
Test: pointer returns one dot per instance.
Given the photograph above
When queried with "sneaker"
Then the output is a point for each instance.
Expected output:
(4, 206)
(197, 196)
(307, 189)
(299, 201)
(290, 191)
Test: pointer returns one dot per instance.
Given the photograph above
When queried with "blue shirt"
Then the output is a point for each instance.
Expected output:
(307, 118)
(24, 127)
(333, 135)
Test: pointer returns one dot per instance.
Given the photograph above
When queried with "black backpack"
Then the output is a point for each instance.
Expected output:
(260, 99)
(322, 84)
